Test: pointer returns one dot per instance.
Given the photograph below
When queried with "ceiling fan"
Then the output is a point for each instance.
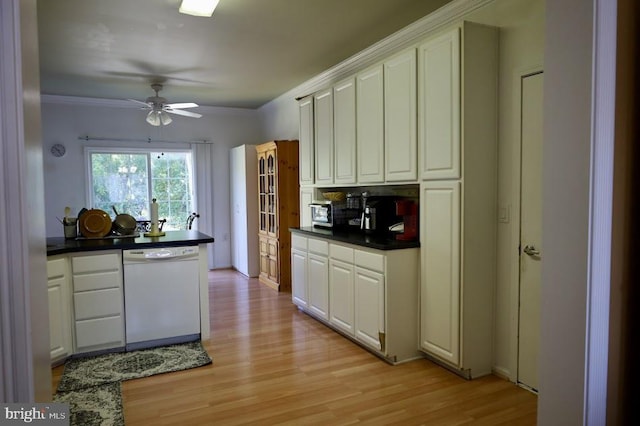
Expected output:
(159, 108)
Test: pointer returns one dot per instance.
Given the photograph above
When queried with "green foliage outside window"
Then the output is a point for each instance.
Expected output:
(129, 181)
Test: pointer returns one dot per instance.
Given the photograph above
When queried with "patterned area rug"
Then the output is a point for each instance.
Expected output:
(91, 385)
(98, 405)
(92, 371)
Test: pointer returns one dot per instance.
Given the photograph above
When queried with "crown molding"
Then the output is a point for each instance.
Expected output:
(407, 36)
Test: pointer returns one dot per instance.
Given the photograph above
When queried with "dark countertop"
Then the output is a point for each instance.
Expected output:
(60, 245)
(375, 241)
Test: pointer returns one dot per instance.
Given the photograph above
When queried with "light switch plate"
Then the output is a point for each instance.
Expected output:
(504, 213)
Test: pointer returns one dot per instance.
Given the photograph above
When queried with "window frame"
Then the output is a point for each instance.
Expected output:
(89, 150)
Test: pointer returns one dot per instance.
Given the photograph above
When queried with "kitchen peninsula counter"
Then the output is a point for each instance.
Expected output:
(374, 241)
(61, 245)
(89, 279)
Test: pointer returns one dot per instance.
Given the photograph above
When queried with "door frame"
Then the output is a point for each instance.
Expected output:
(514, 247)
(519, 229)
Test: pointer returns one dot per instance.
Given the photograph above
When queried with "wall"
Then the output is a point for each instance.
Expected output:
(65, 119)
(25, 369)
(521, 24)
(566, 212)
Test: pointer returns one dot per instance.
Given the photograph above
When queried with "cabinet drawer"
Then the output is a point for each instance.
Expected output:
(101, 332)
(97, 281)
(368, 260)
(97, 262)
(56, 268)
(95, 304)
(318, 246)
(298, 242)
(341, 253)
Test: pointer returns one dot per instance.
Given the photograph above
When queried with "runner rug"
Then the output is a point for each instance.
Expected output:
(92, 385)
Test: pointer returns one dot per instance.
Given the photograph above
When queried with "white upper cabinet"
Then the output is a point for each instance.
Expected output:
(306, 144)
(440, 106)
(323, 108)
(401, 159)
(344, 122)
(370, 125)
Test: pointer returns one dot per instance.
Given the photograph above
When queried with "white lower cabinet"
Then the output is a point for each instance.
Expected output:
(369, 321)
(299, 276)
(318, 278)
(58, 285)
(372, 294)
(98, 301)
(318, 267)
(341, 290)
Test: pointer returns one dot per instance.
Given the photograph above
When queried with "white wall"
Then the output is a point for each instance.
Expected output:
(565, 213)
(280, 118)
(521, 26)
(64, 121)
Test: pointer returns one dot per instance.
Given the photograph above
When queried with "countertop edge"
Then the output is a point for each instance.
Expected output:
(60, 245)
(358, 239)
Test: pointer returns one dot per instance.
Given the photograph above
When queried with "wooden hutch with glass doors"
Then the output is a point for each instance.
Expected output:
(278, 204)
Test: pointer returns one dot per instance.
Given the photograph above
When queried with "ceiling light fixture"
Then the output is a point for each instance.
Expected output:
(198, 7)
(157, 117)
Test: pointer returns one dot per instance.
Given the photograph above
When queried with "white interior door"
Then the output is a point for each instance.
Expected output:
(530, 231)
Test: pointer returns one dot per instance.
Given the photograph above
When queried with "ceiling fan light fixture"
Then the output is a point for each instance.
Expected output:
(198, 7)
(165, 118)
(153, 118)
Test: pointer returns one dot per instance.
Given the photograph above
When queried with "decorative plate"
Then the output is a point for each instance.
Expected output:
(95, 223)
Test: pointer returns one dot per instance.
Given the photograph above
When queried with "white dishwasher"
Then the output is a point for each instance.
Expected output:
(161, 296)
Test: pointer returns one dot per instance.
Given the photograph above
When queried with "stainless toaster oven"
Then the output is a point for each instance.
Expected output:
(328, 214)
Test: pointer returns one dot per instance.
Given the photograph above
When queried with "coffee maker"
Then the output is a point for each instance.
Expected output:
(408, 210)
(378, 213)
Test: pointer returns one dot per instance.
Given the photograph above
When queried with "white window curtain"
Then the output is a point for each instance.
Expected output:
(204, 194)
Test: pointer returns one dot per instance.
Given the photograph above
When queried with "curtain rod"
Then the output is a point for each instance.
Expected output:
(148, 140)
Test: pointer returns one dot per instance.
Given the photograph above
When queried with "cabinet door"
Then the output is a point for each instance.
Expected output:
(370, 125)
(369, 304)
(262, 193)
(306, 144)
(299, 277)
(440, 106)
(344, 121)
(274, 252)
(341, 294)
(323, 112)
(272, 191)
(440, 282)
(319, 285)
(306, 198)
(59, 318)
(264, 258)
(400, 132)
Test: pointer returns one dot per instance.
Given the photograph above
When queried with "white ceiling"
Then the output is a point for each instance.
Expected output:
(248, 53)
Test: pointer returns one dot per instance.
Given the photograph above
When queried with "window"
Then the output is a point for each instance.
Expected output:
(129, 179)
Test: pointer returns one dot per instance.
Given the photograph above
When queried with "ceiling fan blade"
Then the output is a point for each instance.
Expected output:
(140, 102)
(185, 113)
(182, 105)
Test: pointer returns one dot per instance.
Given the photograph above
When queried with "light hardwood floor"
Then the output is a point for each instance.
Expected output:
(275, 365)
